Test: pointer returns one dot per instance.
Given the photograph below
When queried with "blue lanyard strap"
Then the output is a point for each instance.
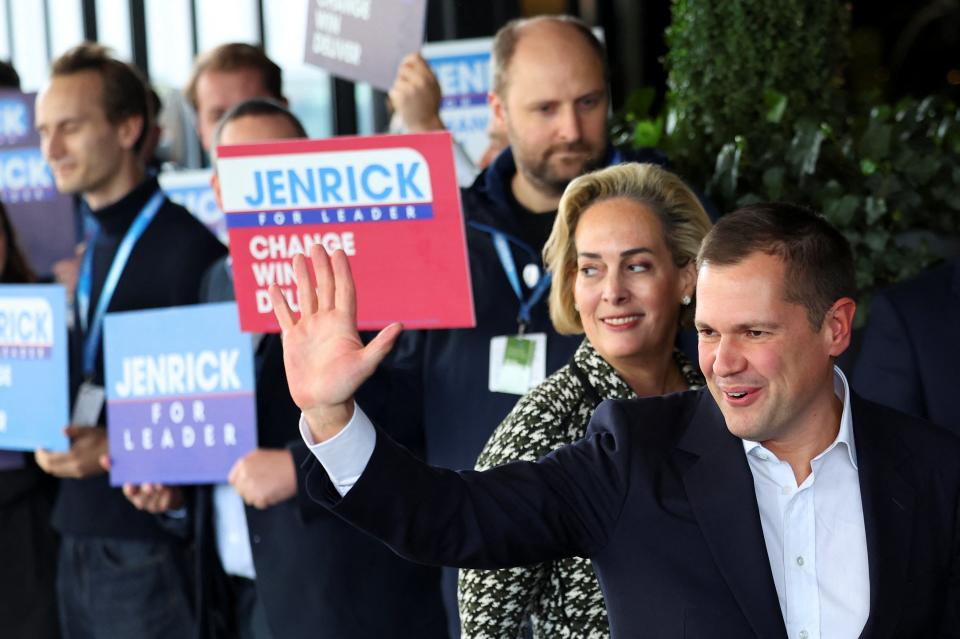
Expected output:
(501, 242)
(92, 334)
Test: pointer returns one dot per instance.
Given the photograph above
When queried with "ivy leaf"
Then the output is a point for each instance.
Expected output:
(639, 102)
(840, 212)
(773, 182)
(876, 208)
(922, 169)
(647, 133)
(804, 148)
(875, 143)
(776, 104)
(876, 239)
(727, 170)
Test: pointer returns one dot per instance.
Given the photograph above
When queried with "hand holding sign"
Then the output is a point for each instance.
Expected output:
(415, 95)
(154, 498)
(264, 477)
(87, 445)
(324, 358)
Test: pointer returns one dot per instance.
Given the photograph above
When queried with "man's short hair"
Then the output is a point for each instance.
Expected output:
(252, 108)
(506, 39)
(124, 87)
(236, 56)
(818, 260)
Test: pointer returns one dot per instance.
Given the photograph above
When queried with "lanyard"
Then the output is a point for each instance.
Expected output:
(92, 337)
(501, 242)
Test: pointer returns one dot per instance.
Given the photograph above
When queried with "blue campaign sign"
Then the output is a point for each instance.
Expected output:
(42, 217)
(25, 177)
(191, 190)
(180, 394)
(34, 394)
(16, 119)
(462, 68)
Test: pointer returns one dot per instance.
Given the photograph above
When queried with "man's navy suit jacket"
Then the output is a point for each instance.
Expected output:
(910, 356)
(659, 495)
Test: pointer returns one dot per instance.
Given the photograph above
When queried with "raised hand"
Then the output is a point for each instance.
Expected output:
(415, 95)
(324, 358)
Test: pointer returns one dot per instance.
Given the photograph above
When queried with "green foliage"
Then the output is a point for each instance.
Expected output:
(889, 178)
(725, 58)
(755, 113)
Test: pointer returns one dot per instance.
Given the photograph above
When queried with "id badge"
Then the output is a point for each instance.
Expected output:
(517, 362)
(89, 403)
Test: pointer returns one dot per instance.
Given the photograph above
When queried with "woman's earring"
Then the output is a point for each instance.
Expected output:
(685, 300)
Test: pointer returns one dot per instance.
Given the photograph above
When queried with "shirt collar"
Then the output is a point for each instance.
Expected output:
(844, 436)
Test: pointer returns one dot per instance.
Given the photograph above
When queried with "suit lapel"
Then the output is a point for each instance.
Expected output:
(888, 503)
(720, 489)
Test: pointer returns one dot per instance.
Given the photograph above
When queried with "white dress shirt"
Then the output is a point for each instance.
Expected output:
(814, 532)
(233, 538)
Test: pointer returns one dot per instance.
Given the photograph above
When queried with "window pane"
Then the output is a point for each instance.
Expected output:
(113, 27)
(364, 96)
(5, 48)
(221, 21)
(169, 45)
(66, 25)
(306, 87)
(29, 43)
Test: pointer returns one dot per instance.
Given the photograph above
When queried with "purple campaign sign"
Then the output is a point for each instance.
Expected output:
(180, 405)
(363, 40)
(43, 218)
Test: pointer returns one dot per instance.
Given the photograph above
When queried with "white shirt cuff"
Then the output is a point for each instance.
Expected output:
(345, 455)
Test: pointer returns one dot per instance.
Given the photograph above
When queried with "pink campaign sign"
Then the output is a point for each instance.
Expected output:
(391, 203)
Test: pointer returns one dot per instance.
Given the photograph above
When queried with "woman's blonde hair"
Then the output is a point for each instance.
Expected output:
(684, 222)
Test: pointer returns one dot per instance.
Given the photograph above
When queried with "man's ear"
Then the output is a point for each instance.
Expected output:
(838, 325)
(129, 130)
(498, 110)
(215, 187)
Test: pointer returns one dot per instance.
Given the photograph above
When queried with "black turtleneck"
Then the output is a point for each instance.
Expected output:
(534, 227)
(114, 220)
(164, 269)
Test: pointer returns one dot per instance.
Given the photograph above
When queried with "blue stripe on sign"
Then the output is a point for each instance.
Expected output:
(464, 100)
(332, 215)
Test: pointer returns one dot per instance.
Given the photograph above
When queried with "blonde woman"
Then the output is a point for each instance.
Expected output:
(622, 255)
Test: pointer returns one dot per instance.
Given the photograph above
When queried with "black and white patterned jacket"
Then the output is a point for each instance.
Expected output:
(561, 599)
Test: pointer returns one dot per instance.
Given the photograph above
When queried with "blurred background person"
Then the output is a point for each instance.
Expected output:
(622, 254)
(28, 544)
(550, 94)
(910, 349)
(226, 76)
(119, 573)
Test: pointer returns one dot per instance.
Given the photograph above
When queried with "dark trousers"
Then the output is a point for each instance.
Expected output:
(111, 588)
(246, 611)
(28, 561)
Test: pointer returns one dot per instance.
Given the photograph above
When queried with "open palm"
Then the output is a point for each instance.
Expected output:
(324, 358)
